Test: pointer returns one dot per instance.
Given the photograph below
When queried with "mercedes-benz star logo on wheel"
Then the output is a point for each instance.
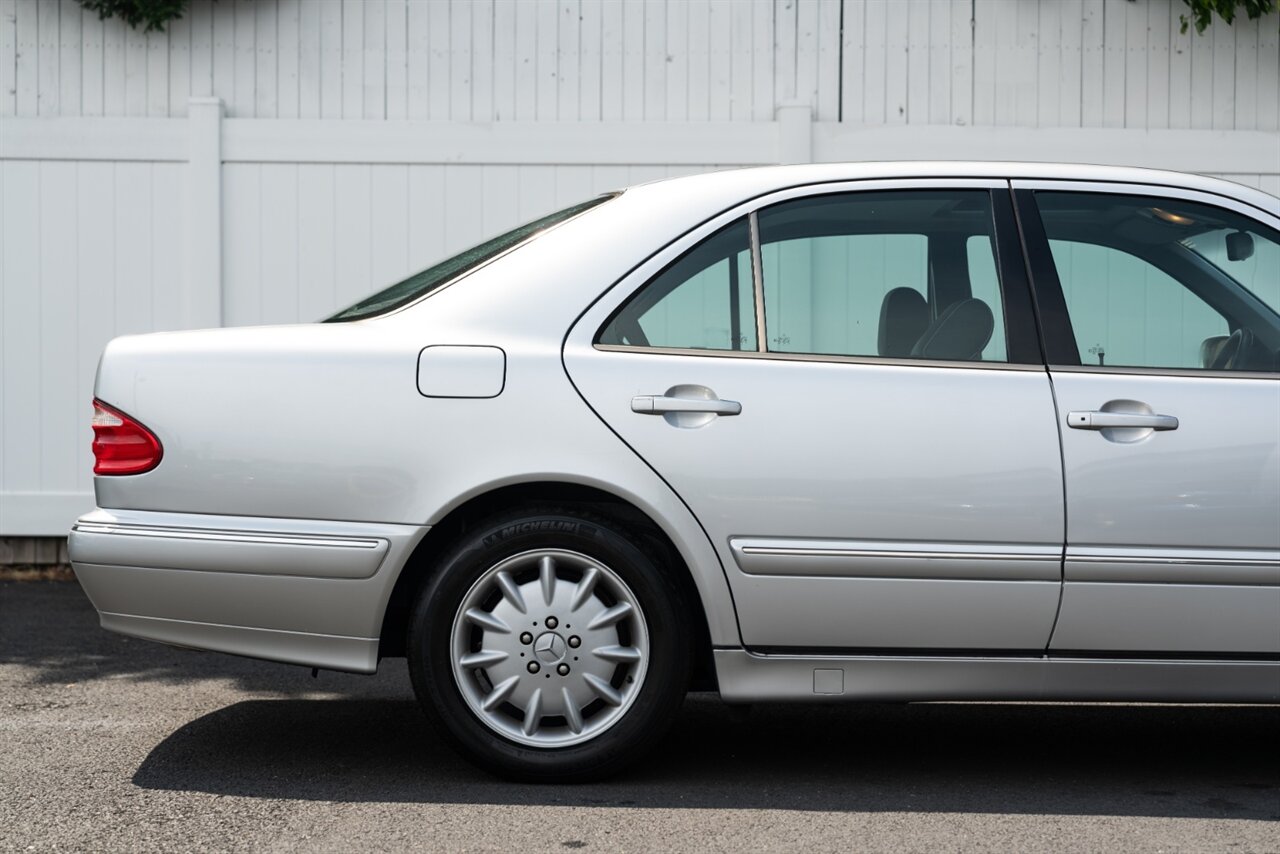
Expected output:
(549, 647)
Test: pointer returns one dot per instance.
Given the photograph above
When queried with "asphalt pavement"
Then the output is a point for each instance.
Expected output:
(111, 744)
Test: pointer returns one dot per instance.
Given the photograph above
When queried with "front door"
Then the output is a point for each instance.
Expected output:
(845, 387)
(1164, 357)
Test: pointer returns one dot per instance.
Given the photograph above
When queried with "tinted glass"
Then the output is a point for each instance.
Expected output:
(984, 282)
(1126, 311)
(703, 301)
(1159, 283)
(423, 283)
(908, 274)
(1249, 255)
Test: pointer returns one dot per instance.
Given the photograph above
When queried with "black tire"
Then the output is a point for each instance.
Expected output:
(635, 729)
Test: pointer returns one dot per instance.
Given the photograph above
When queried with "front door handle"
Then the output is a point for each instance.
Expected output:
(1098, 420)
(654, 404)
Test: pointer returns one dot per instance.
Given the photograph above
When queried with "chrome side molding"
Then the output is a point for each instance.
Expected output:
(226, 536)
(107, 543)
(884, 559)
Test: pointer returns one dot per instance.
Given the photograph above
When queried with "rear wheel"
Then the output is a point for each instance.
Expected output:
(549, 646)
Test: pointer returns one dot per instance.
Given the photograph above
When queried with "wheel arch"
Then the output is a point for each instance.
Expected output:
(471, 510)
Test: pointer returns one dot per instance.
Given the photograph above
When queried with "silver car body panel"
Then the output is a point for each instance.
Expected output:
(1205, 490)
(829, 449)
(326, 421)
(1226, 618)
(310, 649)
(1168, 531)
(299, 591)
(815, 612)
(289, 449)
(746, 677)
(833, 473)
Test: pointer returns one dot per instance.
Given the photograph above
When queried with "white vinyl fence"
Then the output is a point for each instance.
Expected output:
(267, 161)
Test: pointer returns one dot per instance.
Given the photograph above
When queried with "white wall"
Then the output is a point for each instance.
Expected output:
(1030, 63)
(88, 251)
(364, 138)
(309, 238)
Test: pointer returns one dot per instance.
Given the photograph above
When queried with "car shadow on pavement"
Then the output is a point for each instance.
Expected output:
(51, 630)
(1203, 762)
(366, 741)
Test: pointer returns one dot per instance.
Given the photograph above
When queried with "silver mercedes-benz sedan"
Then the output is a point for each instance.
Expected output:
(912, 431)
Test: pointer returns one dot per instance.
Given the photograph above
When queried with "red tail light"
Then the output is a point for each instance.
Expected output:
(120, 444)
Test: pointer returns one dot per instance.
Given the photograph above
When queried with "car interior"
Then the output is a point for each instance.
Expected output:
(1195, 249)
(816, 247)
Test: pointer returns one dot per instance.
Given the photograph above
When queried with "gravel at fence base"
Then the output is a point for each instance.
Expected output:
(26, 572)
(121, 745)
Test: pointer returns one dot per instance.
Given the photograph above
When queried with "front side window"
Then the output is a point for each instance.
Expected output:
(1156, 283)
(1249, 255)
(1126, 311)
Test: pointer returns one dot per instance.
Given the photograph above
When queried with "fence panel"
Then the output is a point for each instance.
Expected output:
(463, 117)
(1040, 63)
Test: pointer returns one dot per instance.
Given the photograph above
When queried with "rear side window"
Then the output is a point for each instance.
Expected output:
(906, 274)
(703, 301)
(822, 294)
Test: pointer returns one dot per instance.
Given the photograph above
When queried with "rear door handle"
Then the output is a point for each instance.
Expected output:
(654, 404)
(1096, 420)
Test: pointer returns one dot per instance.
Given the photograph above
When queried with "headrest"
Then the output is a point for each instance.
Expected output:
(904, 316)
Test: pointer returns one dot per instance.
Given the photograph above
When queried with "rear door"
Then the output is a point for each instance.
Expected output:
(874, 475)
(1162, 332)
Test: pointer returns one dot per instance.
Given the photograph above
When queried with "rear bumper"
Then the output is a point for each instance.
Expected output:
(305, 592)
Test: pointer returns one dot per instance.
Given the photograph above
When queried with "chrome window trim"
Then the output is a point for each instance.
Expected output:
(1186, 373)
(1157, 190)
(817, 357)
(757, 280)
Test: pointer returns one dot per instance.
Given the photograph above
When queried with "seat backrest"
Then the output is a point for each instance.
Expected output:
(904, 316)
(1210, 348)
(960, 333)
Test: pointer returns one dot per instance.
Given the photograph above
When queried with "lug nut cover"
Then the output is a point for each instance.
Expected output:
(552, 622)
(563, 670)
(526, 638)
(575, 641)
(534, 667)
